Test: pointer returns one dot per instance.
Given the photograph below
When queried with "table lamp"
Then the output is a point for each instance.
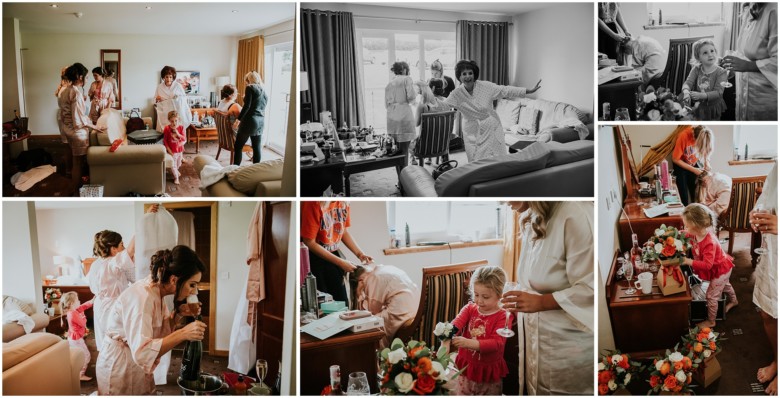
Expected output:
(62, 263)
(305, 111)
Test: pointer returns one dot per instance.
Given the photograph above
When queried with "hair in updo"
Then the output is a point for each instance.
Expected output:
(100, 71)
(400, 68)
(105, 241)
(490, 276)
(75, 72)
(181, 262)
(700, 216)
(227, 91)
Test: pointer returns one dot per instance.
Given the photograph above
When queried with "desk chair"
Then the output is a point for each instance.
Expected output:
(736, 218)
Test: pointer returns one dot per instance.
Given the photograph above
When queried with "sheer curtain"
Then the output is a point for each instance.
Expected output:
(487, 43)
(329, 56)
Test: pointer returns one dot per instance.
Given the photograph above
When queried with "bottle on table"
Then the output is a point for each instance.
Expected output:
(636, 254)
(335, 380)
(277, 388)
(240, 387)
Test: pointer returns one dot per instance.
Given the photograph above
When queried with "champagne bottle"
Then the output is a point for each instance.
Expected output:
(277, 388)
(636, 253)
(335, 380)
(190, 362)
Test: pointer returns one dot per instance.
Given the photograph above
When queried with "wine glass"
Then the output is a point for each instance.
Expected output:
(506, 331)
(760, 209)
(261, 366)
(358, 384)
(621, 114)
(628, 271)
(640, 102)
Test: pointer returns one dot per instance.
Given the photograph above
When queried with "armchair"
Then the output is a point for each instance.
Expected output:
(434, 140)
(28, 358)
(744, 192)
(444, 291)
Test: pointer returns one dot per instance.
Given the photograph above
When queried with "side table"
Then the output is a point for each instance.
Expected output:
(145, 137)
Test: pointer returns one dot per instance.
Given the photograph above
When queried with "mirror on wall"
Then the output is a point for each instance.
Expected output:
(111, 61)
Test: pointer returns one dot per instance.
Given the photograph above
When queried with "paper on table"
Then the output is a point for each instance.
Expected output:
(327, 326)
(655, 211)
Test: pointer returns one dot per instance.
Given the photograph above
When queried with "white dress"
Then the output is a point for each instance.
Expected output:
(108, 278)
(558, 344)
(136, 326)
(765, 289)
(483, 134)
(173, 98)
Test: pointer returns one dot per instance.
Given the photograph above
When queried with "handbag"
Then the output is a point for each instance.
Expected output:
(444, 167)
(135, 122)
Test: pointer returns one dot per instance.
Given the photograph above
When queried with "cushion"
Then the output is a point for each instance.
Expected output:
(569, 152)
(245, 179)
(508, 112)
(529, 120)
(457, 182)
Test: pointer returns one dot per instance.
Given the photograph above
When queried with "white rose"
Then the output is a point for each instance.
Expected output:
(711, 336)
(627, 379)
(439, 329)
(436, 367)
(658, 248)
(676, 357)
(612, 385)
(405, 382)
(707, 353)
(681, 376)
(397, 355)
(602, 366)
(678, 245)
(649, 98)
(448, 328)
(660, 232)
(658, 365)
(616, 359)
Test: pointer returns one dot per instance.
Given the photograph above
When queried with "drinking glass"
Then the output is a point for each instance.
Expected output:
(621, 114)
(628, 271)
(760, 208)
(358, 384)
(640, 103)
(506, 331)
(261, 366)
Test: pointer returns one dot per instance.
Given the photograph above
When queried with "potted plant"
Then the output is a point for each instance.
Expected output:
(615, 371)
(52, 297)
(702, 344)
(661, 104)
(673, 374)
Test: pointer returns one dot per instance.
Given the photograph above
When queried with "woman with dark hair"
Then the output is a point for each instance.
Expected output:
(483, 134)
(73, 118)
(228, 104)
(141, 329)
(399, 95)
(101, 94)
(169, 89)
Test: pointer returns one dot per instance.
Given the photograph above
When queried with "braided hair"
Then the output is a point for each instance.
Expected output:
(181, 261)
(105, 241)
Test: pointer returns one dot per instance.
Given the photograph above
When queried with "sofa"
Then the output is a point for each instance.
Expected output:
(131, 168)
(542, 169)
(527, 120)
(14, 330)
(262, 179)
(41, 364)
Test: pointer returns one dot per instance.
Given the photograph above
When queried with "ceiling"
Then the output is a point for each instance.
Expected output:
(474, 7)
(162, 18)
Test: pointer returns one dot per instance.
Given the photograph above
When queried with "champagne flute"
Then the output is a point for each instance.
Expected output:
(628, 271)
(622, 115)
(261, 366)
(506, 331)
(760, 209)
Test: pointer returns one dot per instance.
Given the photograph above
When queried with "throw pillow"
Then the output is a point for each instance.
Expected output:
(529, 120)
(508, 111)
(245, 179)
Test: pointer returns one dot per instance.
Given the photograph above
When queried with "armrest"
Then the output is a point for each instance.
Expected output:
(268, 189)
(417, 181)
(128, 154)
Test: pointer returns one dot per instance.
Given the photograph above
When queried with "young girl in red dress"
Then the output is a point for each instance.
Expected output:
(479, 346)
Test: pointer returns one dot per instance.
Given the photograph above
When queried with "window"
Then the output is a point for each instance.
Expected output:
(690, 13)
(381, 48)
(447, 221)
(761, 141)
(278, 74)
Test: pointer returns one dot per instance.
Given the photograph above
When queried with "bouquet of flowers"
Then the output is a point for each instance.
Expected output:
(444, 331)
(668, 245)
(52, 294)
(662, 104)
(702, 343)
(672, 373)
(413, 369)
(615, 371)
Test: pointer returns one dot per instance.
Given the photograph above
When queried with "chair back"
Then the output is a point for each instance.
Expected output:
(227, 138)
(678, 64)
(744, 193)
(444, 291)
(435, 131)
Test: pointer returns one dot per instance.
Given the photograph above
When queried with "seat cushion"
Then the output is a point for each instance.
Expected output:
(528, 120)
(245, 179)
(508, 111)
(16, 351)
(416, 181)
(569, 152)
(457, 182)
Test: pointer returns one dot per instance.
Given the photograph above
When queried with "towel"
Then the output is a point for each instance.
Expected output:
(211, 174)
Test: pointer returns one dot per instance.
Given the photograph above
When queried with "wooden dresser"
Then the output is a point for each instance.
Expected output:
(202, 133)
(353, 352)
(642, 225)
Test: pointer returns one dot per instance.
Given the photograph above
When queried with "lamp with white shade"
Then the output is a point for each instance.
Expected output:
(304, 80)
(305, 112)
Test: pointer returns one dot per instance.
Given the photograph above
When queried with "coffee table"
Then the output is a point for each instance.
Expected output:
(363, 165)
(200, 132)
(318, 175)
(145, 137)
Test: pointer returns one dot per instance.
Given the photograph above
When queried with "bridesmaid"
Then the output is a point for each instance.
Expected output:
(101, 93)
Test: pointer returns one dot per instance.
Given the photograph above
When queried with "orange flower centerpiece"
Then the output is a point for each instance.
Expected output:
(413, 369)
(52, 296)
(672, 373)
(702, 344)
(668, 246)
(616, 370)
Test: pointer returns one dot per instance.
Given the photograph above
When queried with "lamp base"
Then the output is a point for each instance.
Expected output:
(306, 114)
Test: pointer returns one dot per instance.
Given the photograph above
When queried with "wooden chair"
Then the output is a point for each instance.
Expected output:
(227, 138)
(444, 291)
(435, 133)
(744, 192)
(678, 64)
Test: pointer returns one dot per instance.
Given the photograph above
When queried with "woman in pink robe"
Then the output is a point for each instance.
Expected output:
(387, 292)
(101, 94)
(74, 123)
(141, 329)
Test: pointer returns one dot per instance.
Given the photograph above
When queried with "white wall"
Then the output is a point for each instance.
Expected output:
(11, 69)
(21, 273)
(371, 232)
(142, 58)
(71, 232)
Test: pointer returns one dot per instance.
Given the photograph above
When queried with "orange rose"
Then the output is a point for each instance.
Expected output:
(702, 336)
(603, 389)
(687, 363)
(698, 347)
(670, 241)
(414, 351)
(713, 346)
(424, 364)
(654, 381)
(706, 331)
(624, 363)
(670, 382)
(669, 251)
(605, 376)
(425, 384)
(665, 368)
(678, 366)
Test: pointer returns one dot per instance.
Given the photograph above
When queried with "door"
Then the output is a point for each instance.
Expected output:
(278, 72)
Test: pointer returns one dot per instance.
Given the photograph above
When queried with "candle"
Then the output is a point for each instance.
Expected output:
(665, 174)
(304, 262)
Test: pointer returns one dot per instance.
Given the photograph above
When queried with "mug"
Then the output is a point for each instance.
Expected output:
(644, 185)
(644, 282)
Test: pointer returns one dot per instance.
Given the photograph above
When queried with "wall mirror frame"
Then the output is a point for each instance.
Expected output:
(112, 60)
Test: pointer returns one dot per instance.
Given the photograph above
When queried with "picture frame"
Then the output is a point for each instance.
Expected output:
(189, 80)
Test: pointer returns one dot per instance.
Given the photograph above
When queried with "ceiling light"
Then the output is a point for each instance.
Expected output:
(53, 5)
(234, 11)
(148, 7)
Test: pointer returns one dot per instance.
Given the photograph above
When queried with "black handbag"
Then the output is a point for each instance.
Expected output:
(444, 167)
(135, 122)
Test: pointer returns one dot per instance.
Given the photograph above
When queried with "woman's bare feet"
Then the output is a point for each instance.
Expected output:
(706, 324)
(176, 181)
(768, 373)
(85, 378)
(771, 389)
(730, 305)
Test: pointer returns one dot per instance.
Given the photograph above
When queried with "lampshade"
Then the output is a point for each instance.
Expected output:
(221, 81)
(304, 80)
(61, 260)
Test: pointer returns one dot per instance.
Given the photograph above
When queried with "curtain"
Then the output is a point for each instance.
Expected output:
(251, 55)
(660, 151)
(512, 243)
(486, 43)
(736, 25)
(329, 55)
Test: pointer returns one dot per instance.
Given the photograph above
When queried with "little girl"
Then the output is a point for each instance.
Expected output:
(480, 347)
(173, 138)
(709, 261)
(705, 83)
(77, 326)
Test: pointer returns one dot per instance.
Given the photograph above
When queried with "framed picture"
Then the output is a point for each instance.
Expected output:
(189, 80)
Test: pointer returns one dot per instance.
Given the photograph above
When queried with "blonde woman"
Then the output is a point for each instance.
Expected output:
(554, 297)
(252, 117)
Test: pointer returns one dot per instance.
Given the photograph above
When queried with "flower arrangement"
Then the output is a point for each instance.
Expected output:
(702, 343)
(444, 331)
(615, 371)
(52, 294)
(413, 369)
(672, 373)
(668, 245)
(662, 104)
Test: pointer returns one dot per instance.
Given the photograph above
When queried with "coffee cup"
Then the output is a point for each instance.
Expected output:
(644, 282)
(643, 185)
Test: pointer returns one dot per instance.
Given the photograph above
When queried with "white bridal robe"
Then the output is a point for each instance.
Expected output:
(173, 98)
(765, 290)
(557, 345)
(483, 135)
(108, 278)
(136, 326)
(757, 91)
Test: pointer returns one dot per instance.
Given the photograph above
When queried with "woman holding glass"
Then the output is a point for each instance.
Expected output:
(554, 297)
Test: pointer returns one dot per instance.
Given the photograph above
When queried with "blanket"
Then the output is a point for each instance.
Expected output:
(11, 315)
(211, 174)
